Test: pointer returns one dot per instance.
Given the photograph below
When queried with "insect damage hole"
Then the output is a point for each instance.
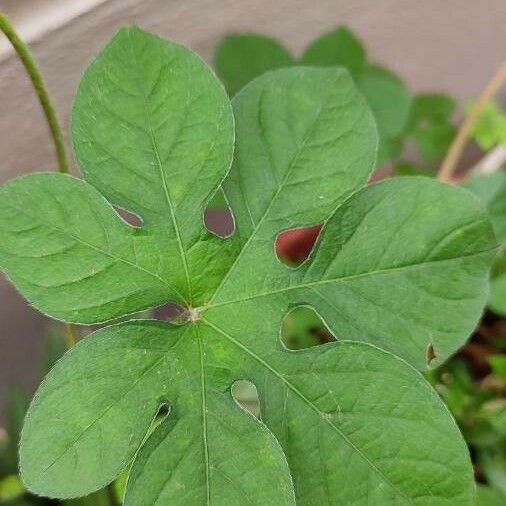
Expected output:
(245, 394)
(294, 246)
(302, 327)
(163, 412)
(218, 217)
(134, 220)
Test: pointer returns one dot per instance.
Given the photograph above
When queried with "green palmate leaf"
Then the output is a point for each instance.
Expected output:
(402, 265)
(336, 48)
(491, 189)
(242, 57)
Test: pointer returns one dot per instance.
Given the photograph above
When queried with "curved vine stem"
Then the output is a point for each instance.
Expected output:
(38, 83)
(45, 101)
(449, 164)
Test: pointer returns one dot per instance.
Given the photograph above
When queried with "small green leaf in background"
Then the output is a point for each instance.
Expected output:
(431, 107)
(338, 47)
(434, 141)
(490, 129)
(431, 125)
(390, 102)
(400, 268)
(491, 189)
(303, 328)
(10, 488)
(241, 57)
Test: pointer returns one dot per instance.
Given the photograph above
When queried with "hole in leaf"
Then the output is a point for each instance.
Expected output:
(245, 394)
(163, 413)
(131, 218)
(164, 410)
(218, 217)
(431, 354)
(302, 327)
(294, 246)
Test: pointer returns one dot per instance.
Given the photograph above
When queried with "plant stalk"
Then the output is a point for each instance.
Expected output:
(449, 164)
(38, 83)
(45, 101)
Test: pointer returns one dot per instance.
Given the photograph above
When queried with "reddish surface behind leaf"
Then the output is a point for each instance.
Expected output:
(296, 245)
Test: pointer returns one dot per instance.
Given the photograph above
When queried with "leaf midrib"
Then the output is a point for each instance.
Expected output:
(310, 404)
(204, 414)
(344, 278)
(159, 163)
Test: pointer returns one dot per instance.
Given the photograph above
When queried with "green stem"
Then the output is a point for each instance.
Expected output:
(38, 83)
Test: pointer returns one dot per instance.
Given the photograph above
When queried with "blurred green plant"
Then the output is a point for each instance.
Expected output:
(431, 128)
(490, 129)
(477, 400)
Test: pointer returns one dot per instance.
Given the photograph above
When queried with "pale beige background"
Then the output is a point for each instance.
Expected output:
(450, 45)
